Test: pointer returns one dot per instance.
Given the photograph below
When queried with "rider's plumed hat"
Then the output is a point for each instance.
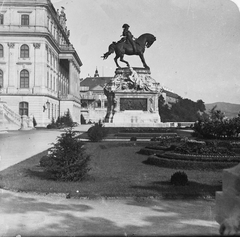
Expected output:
(125, 26)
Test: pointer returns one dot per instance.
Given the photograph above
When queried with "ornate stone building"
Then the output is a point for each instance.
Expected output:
(39, 67)
(93, 99)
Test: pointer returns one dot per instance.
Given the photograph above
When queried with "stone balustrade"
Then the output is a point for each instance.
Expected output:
(16, 118)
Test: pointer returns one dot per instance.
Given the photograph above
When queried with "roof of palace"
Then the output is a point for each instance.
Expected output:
(92, 82)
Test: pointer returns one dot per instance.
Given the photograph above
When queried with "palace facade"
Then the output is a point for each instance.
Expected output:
(39, 67)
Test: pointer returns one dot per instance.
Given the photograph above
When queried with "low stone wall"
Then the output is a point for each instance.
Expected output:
(138, 125)
(228, 202)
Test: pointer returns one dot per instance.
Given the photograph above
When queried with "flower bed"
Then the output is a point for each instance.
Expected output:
(193, 154)
(146, 134)
(187, 164)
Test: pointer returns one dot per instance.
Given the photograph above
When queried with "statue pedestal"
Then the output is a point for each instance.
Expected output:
(132, 98)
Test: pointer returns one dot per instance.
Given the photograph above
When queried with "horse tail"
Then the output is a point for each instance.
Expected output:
(111, 49)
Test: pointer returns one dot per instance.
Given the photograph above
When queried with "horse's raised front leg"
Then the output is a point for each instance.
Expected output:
(143, 61)
(122, 60)
(115, 59)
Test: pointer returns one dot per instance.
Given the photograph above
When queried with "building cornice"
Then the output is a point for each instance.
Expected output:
(49, 6)
(67, 50)
(41, 94)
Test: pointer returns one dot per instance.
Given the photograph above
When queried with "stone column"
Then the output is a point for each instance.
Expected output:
(36, 82)
(10, 66)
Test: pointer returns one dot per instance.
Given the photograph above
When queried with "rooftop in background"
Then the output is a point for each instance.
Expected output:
(92, 82)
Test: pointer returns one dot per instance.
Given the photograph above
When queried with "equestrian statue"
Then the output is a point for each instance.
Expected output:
(127, 45)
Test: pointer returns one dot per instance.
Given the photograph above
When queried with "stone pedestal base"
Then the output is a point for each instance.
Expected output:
(132, 98)
(136, 117)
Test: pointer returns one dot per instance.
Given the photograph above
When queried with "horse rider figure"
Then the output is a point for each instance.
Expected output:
(128, 37)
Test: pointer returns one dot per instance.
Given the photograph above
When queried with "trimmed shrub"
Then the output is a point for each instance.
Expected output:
(154, 139)
(67, 160)
(133, 139)
(52, 125)
(97, 132)
(179, 179)
(62, 122)
(34, 122)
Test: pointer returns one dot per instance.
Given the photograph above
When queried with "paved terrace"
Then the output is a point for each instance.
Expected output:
(54, 215)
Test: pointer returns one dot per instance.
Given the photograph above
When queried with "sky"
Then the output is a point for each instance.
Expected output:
(197, 51)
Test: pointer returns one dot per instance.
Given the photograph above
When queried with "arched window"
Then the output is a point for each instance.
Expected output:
(1, 51)
(24, 51)
(1, 79)
(23, 108)
(24, 79)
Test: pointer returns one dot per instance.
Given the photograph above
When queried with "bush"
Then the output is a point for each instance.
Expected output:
(217, 127)
(34, 122)
(179, 179)
(97, 132)
(52, 125)
(62, 122)
(133, 139)
(67, 160)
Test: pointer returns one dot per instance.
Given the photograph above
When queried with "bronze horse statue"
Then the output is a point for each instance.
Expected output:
(121, 47)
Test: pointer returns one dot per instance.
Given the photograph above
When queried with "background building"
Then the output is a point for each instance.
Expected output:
(93, 100)
(39, 68)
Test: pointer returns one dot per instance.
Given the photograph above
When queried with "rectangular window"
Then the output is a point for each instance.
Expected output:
(1, 51)
(25, 20)
(47, 79)
(1, 19)
(1, 79)
(23, 108)
(47, 55)
(52, 111)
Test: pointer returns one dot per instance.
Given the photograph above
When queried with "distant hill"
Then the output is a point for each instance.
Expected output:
(230, 110)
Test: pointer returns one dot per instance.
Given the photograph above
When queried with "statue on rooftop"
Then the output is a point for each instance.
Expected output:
(62, 18)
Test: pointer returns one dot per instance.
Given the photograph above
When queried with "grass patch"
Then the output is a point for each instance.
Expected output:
(117, 170)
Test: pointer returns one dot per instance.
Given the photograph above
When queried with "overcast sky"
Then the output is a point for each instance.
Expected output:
(197, 51)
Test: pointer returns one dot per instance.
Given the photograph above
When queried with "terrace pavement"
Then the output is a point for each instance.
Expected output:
(33, 214)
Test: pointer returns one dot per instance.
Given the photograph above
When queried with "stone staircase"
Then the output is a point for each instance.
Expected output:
(9, 120)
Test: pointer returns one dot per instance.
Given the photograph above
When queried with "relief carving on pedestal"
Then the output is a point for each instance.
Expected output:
(133, 104)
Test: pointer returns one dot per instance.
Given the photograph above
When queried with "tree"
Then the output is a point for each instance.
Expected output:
(185, 110)
(67, 160)
(216, 115)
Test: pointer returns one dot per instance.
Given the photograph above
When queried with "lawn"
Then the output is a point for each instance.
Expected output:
(117, 170)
